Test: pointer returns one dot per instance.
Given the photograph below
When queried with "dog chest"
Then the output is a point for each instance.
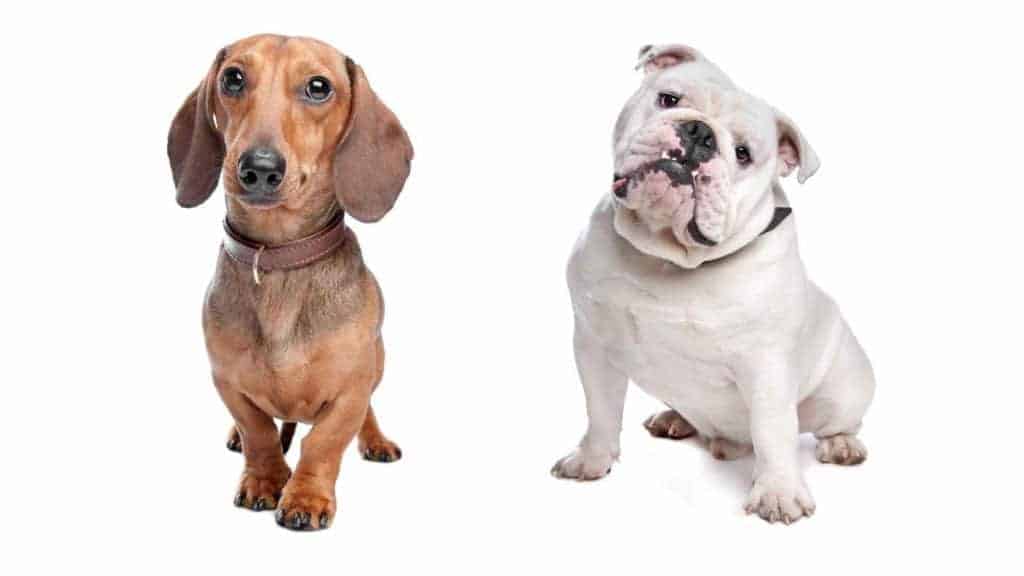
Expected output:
(296, 346)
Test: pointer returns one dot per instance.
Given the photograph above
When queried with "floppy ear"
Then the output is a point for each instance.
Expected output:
(663, 56)
(194, 147)
(794, 150)
(372, 159)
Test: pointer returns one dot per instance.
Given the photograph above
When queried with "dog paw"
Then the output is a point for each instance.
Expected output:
(234, 442)
(723, 449)
(583, 464)
(261, 491)
(381, 450)
(669, 424)
(306, 505)
(779, 499)
(842, 449)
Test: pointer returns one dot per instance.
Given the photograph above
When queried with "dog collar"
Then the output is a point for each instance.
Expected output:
(288, 256)
(781, 213)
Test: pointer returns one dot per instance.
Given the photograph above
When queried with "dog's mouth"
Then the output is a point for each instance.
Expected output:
(666, 191)
(671, 162)
(262, 202)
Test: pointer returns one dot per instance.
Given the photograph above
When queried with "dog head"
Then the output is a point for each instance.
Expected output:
(696, 159)
(294, 127)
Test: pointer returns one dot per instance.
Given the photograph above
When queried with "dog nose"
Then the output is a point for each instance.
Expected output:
(698, 140)
(261, 170)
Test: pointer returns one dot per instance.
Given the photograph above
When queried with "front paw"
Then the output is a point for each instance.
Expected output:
(779, 498)
(260, 490)
(584, 464)
(307, 504)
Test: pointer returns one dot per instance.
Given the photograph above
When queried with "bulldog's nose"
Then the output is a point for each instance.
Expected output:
(261, 170)
(698, 139)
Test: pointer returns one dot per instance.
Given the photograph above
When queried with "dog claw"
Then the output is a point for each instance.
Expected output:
(239, 499)
(280, 516)
(259, 505)
(324, 522)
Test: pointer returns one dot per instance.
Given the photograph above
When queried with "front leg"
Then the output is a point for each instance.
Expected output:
(779, 492)
(266, 471)
(605, 391)
(309, 500)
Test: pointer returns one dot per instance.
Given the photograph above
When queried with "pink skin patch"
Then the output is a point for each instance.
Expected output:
(711, 186)
(666, 197)
(648, 147)
(658, 200)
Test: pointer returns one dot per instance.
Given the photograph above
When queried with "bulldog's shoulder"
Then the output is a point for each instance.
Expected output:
(597, 249)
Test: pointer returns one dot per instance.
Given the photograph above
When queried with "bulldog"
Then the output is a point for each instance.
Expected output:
(688, 282)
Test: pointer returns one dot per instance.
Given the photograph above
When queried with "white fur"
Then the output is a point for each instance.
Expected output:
(735, 337)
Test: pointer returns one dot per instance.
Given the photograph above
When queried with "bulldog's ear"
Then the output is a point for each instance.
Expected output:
(194, 146)
(794, 150)
(373, 157)
(659, 57)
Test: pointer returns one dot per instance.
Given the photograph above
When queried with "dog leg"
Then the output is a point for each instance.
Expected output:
(779, 492)
(605, 391)
(308, 501)
(373, 445)
(669, 424)
(234, 442)
(834, 412)
(265, 472)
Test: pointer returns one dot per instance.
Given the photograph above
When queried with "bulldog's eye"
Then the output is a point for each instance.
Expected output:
(232, 82)
(318, 89)
(667, 100)
(743, 155)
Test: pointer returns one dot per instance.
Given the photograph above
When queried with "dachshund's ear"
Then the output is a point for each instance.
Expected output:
(194, 146)
(372, 159)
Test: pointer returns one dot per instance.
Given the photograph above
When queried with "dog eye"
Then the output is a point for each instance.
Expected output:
(232, 82)
(667, 100)
(743, 155)
(318, 89)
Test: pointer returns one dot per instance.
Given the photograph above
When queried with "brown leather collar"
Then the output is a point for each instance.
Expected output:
(288, 256)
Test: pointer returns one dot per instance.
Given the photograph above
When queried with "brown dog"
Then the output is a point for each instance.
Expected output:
(293, 316)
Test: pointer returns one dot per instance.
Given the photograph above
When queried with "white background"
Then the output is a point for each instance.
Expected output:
(113, 433)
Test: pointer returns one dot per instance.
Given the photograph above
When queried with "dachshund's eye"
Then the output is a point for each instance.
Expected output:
(232, 82)
(743, 155)
(667, 100)
(318, 89)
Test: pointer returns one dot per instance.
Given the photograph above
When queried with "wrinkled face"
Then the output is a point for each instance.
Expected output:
(282, 105)
(694, 154)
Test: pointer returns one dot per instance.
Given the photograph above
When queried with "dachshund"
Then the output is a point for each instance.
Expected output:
(292, 318)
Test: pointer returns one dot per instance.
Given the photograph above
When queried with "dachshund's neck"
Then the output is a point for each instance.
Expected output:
(281, 224)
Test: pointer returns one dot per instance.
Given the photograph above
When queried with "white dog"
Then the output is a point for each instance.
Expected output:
(688, 282)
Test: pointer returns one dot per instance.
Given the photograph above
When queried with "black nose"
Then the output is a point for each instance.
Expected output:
(698, 140)
(261, 170)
